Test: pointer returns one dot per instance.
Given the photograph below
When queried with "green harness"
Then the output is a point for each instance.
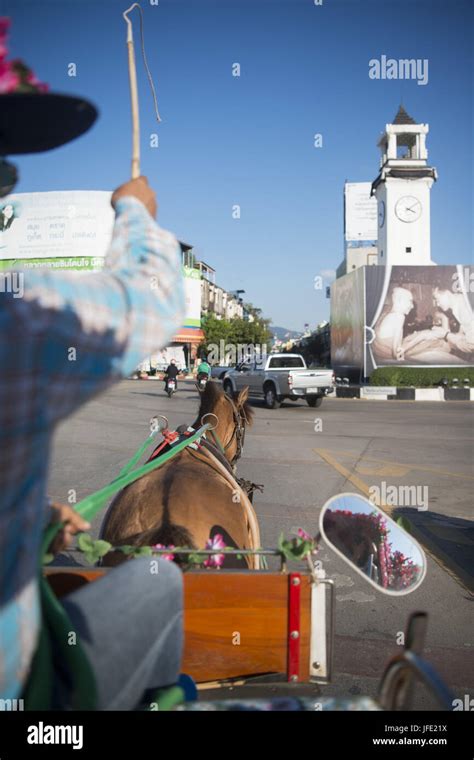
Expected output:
(56, 625)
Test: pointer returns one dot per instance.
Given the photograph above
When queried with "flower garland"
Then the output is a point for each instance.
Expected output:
(349, 529)
(15, 75)
(296, 549)
(344, 528)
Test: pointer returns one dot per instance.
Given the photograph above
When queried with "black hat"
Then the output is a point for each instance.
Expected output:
(36, 121)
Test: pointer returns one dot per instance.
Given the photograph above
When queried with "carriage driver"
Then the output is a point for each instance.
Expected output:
(113, 319)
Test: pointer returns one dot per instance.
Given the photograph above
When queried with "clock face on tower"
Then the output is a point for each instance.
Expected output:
(408, 208)
(381, 214)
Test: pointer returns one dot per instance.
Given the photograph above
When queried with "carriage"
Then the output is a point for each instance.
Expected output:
(284, 615)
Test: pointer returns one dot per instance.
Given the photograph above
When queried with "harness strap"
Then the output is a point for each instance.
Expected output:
(218, 441)
(169, 437)
(89, 506)
(56, 624)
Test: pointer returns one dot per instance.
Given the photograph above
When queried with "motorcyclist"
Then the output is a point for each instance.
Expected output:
(171, 373)
(203, 370)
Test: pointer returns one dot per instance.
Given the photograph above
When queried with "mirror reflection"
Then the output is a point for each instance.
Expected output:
(371, 542)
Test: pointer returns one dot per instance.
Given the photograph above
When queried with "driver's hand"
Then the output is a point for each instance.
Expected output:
(74, 524)
(140, 189)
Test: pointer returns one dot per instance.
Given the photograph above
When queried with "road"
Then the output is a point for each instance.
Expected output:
(303, 457)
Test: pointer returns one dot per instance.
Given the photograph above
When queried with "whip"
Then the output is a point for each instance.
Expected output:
(132, 72)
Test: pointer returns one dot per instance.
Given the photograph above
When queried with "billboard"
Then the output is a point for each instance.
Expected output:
(192, 290)
(347, 323)
(407, 316)
(420, 316)
(70, 229)
(360, 215)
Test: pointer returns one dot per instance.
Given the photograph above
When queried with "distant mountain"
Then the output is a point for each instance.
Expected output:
(283, 333)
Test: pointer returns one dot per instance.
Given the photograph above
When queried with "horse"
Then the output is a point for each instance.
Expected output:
(195, 495)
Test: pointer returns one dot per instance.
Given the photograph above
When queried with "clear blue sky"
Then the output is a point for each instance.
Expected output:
(249, 140)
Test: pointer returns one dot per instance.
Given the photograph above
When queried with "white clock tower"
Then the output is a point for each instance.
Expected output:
(402, 190)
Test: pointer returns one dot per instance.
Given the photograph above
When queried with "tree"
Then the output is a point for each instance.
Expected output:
(214, 331)
(234, 332)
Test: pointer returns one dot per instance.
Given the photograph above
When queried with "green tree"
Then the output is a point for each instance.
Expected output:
(234, 331)
(243, 331)
(214, 331)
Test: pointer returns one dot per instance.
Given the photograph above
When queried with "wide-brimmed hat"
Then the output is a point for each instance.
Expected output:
(32, 119)
(38, 121)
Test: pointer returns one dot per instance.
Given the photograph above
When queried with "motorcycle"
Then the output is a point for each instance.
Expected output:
(170, 386)
(202, 380)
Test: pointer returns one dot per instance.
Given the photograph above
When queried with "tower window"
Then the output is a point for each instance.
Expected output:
(407, 250)
(381, 254)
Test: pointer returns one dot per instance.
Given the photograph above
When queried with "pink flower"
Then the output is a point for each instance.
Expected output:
(4, 26)
(9, 79)
(305, 536)
(35, 82)
(169, 557)
(215, 560)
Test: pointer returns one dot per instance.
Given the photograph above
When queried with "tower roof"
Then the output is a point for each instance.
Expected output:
(402, 117)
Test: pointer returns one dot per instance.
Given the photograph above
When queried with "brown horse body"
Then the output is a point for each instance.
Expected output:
(192, 497)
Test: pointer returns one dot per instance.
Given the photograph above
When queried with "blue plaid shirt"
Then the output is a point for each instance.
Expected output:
(69, 336)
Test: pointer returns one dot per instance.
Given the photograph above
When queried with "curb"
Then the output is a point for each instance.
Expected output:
(376, 393)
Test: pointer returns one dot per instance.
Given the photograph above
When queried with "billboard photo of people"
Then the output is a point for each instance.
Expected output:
(426, 317)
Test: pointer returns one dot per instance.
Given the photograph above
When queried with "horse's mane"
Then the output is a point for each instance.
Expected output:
(211, 396)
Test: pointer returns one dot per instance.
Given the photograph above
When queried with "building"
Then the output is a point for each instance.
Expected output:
(203, 296)
(402, 190)
(397, 308)
(214, 299)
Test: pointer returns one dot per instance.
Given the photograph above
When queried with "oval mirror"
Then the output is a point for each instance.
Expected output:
(373, 544)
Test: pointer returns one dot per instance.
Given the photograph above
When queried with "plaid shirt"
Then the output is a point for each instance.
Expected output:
(69, 336)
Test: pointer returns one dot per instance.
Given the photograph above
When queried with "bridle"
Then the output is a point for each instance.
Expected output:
(240, 424)
(238, 433)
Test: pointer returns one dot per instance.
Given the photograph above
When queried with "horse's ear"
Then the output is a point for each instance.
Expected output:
(242, 397)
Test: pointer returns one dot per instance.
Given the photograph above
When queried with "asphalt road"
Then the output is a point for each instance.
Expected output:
(303, 457)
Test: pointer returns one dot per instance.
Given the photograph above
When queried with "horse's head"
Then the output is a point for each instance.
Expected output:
(233, 416)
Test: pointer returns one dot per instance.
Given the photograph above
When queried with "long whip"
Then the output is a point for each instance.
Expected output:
(132, 73)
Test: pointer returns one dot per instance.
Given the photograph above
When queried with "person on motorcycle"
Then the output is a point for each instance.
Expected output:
(204, 369)
(171, 373)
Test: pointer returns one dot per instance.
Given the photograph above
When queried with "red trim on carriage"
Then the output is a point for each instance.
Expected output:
(294, 625)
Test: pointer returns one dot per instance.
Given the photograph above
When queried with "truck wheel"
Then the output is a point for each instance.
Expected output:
(228, 388)
(271, 399)
(316, 401)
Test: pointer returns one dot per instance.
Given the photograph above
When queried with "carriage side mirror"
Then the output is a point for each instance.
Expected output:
(373, 544)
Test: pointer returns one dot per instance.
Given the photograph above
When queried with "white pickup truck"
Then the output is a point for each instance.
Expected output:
(282, 376)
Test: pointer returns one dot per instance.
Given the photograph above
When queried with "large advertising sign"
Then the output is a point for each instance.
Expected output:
(360, 215)
(69, 229)
(347, 323)
(192, 289)
(420, 316)
(406, 316)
